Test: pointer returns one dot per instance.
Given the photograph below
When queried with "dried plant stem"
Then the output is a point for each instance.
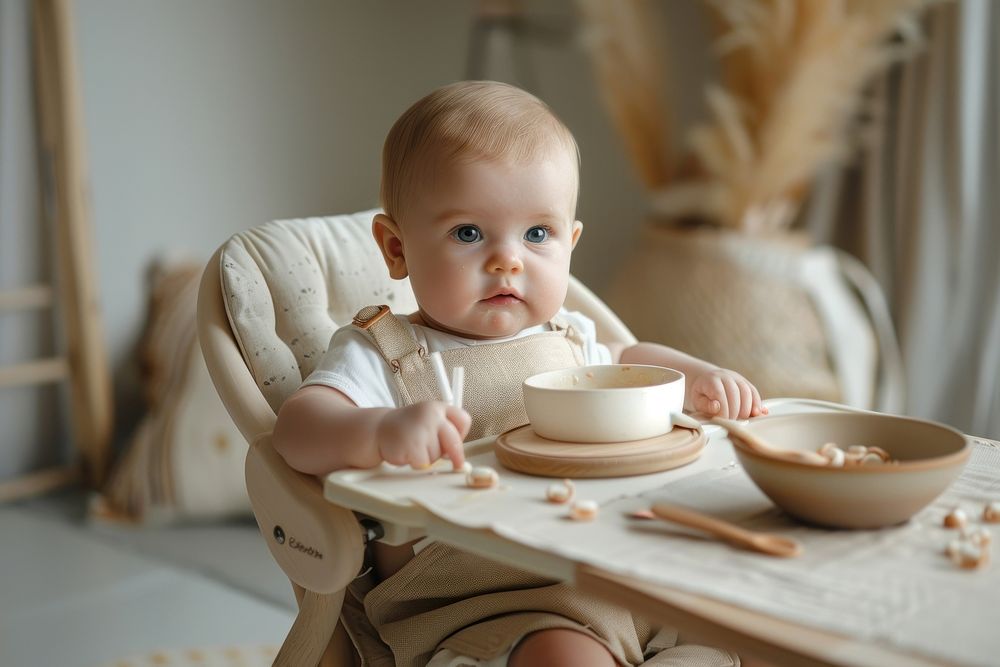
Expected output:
(794, 73)
(629, 69)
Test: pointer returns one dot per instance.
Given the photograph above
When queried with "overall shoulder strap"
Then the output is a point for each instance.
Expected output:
(573, 335)
(392, 338)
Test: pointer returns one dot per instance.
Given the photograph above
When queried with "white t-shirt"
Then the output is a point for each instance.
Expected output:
(353, 365)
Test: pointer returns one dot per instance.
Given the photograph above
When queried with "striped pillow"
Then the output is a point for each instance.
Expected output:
(185, 459)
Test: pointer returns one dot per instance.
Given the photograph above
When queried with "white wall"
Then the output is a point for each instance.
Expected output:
(204, 118)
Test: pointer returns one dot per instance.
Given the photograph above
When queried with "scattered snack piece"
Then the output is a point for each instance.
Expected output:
(482, 477)
(969, 556)
(583, 510)
(952, 549)
(955, 519)
(465, 469)
(560, 492)
(971, 549)
(978, 536)
(991, 513)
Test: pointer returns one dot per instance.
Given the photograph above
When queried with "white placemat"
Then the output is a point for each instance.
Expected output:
(893, 585)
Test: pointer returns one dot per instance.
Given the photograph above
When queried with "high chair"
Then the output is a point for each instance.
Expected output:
(270, 299)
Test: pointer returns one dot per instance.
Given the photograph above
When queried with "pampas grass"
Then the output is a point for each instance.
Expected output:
(794, 72)
(628, 66)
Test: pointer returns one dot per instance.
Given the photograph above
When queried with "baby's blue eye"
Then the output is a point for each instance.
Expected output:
(536, 235)
(467, 234)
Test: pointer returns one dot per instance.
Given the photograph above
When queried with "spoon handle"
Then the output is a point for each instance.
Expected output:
(750, 439)
(709, 524)
(772, 545)
(684, 421)
(761, 447)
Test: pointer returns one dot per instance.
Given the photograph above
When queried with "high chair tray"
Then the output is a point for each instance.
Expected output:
(862, 597)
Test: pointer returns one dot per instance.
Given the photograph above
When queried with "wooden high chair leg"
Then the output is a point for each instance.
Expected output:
(310, 640)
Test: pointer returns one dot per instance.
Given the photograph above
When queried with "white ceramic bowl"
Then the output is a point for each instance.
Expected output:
(607, 403)
(930, 456)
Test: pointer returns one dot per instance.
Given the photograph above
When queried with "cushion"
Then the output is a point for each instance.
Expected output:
(321, 271)
(185, 459)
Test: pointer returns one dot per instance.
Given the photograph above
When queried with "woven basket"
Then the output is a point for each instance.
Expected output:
(731, 299)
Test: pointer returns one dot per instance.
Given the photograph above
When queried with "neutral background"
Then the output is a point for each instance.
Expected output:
(204, 118)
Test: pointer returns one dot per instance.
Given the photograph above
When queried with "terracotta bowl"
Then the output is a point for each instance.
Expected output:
(929, 456)
(608, 403)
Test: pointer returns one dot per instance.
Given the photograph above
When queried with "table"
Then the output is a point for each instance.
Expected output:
(518, 531)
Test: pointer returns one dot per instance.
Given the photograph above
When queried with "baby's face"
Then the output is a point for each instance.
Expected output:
(487, 244)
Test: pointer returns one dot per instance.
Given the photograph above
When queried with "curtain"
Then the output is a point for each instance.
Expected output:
(922, 210)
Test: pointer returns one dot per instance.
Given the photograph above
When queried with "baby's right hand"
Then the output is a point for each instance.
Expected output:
(421, 433)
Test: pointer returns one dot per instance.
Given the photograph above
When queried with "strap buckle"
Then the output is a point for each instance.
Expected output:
(369, 315)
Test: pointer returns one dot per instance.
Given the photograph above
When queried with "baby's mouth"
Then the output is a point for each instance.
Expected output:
(504, 298)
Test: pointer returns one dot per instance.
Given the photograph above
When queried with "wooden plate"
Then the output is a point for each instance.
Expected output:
(521, 449)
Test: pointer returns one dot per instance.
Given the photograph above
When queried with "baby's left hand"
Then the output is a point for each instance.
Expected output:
(724, 393)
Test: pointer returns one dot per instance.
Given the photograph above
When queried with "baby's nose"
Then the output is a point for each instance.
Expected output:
(504, 260)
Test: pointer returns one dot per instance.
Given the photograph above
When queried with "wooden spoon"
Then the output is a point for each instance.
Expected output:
(767, 543)
(760, 446)
(685, 421)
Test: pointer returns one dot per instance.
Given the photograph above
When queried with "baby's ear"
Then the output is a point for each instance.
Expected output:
(390, 242)
(577, 230)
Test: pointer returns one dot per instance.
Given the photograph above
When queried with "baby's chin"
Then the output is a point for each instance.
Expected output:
(485, 324)
(493, 325)
(484, 331)
(504, 325)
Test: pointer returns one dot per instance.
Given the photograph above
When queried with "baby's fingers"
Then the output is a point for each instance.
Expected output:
(710, 396)
(451, 445)
(460, 418)
(746, 399)
(707, 405)
(419, 458)
(732, 397)
(758, 403)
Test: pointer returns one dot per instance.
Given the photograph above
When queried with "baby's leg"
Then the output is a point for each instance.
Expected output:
(558, 647)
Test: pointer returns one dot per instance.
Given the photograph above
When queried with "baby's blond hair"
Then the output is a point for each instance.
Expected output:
(474, 120)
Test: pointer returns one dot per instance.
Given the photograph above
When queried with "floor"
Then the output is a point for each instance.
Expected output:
(78, 595)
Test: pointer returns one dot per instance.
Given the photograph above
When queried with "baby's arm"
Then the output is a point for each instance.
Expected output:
(319, 430)
(710, 390)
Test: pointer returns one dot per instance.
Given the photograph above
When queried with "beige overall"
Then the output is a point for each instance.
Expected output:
(444, 597)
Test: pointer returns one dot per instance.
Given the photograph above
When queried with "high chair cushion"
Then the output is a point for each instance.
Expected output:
(321, 271)
(185, 460)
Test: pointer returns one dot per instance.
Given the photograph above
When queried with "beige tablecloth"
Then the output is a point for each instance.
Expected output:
(893, 585)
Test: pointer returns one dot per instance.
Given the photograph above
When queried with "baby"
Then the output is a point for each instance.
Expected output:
(479, 189)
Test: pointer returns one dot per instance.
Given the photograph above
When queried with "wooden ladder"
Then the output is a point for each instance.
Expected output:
(65, 194)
